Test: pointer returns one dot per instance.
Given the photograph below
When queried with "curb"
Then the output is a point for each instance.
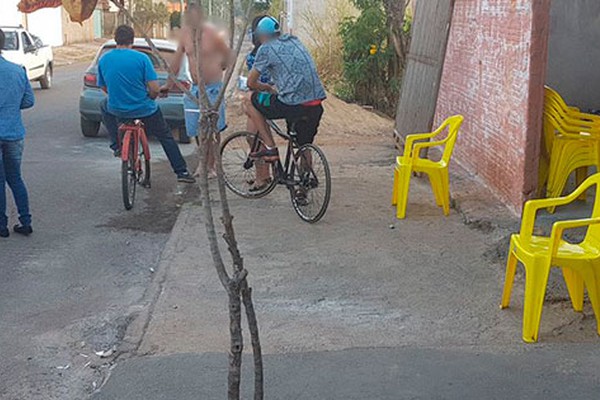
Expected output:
(143, 312)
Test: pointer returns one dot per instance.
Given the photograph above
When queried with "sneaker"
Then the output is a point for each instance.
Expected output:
(4, 232)
(117, 153)
(186, 177)
(268, 155)
(24, 230)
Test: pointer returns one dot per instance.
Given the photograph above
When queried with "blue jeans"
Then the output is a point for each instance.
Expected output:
(11, 154)
(155, 125)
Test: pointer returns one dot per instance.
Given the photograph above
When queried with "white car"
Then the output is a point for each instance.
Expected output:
(28, 50)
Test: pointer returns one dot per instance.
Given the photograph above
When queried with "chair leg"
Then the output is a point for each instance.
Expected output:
(395, 189)
(435, 188)
(536, 280)
(592, 282)
(445, 191)
(555, 188)
(580, 175)
(403, 188)
(575, 286)
(511, 269)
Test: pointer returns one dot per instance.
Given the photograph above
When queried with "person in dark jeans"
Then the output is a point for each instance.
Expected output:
(129, 79)
(16, 96)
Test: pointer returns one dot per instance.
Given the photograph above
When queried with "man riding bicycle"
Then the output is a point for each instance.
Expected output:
(296, 95)
(129, 79)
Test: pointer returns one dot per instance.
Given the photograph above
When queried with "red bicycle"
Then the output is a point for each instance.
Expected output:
(135, 156)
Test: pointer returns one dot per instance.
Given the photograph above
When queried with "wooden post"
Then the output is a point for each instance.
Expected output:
(421, 82)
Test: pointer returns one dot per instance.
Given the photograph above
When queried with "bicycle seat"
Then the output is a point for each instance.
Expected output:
(131, 122)
(292, 122)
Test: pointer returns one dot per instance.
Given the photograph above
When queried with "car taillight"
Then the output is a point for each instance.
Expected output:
(186, 84)
(90, 80)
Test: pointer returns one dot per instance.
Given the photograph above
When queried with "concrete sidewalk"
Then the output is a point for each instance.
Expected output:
(353, 309)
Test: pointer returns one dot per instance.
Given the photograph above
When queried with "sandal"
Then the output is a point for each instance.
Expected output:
(260, 188)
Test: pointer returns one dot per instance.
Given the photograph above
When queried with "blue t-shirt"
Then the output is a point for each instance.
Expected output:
(126, 73)
(264, 77)
(292, 69)
(16, 96)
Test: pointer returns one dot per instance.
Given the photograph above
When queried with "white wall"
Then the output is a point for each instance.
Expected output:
(45, 23)
(9, 15)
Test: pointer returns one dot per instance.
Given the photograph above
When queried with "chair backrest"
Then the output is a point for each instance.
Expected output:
(453, 124)
(551, 94)
(593, 232)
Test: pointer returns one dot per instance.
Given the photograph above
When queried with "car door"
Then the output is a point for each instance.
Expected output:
(31, 60)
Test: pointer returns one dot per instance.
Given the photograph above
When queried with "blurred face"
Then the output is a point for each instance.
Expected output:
(193, 17)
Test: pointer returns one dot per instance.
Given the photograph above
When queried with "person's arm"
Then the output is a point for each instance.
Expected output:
(175, 65)
(261, 64)
(100, 80)
(151, 79)
(28, 99)
(255, 84)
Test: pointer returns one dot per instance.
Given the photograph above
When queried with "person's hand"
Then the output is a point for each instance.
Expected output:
(164, 91)
(272, 89)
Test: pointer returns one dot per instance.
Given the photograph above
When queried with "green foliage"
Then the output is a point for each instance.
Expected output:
(368, 58)
(175, 19)
(149, 14)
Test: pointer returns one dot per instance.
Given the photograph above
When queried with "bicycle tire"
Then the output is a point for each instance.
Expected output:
(238, 169)
(129, 178)
(309, 182)
(145, 172)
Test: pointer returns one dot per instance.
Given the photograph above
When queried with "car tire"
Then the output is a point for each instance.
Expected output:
(181, 136)
(46, 80)
(89, 128)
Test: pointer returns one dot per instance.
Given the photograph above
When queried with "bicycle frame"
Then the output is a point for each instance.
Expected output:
(134, 131)
(284, 175)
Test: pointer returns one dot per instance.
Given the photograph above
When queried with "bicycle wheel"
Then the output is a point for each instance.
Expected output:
(312, 190)
(129, 177)
(240, 171)
(143, 167)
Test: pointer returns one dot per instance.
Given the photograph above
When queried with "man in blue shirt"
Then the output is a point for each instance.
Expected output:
(297, 92)
(16, 96)
(130, 80)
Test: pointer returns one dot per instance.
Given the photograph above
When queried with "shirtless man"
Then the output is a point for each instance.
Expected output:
(215, 56)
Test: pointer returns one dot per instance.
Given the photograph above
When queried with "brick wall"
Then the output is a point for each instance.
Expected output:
(494, 75)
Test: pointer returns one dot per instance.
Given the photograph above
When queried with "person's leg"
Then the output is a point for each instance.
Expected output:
(156, 125)
(3, 216)
(13, 155)
(258, 119)
(112, 125)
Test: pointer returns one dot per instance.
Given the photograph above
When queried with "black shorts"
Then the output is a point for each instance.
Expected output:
(307, 118)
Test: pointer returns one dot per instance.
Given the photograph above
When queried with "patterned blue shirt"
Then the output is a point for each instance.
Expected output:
(16, 96)
(292, 69)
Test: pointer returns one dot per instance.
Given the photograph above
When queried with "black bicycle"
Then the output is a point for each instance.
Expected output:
(305, 171)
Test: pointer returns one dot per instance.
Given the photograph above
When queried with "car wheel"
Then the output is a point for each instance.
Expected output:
(181, 136)
(89, 128)
(46, 80)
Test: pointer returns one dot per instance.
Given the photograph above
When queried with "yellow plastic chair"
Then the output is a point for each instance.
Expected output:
(571, 121)
(580, 263)
(571, 151)
(437, 171)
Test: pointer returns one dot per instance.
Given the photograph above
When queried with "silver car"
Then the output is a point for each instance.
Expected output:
(92, 96)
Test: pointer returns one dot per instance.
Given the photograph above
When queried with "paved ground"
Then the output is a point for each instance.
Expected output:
(353, 309)
(72, 288)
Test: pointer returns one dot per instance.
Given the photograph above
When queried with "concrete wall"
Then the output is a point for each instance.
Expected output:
(493, 75)
(74, 32)
(574, 51)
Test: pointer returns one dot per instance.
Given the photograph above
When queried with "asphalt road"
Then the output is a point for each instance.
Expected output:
(71, 289)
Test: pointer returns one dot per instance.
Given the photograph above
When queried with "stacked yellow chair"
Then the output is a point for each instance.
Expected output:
(437, 171)
(571, 141)
(580, 263)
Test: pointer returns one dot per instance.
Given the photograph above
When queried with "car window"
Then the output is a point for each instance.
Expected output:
(168, 55)
(11, 41)
(37, 41)
(26, 41)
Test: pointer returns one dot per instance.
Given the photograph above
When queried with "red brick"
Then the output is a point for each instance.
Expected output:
(494, 74)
